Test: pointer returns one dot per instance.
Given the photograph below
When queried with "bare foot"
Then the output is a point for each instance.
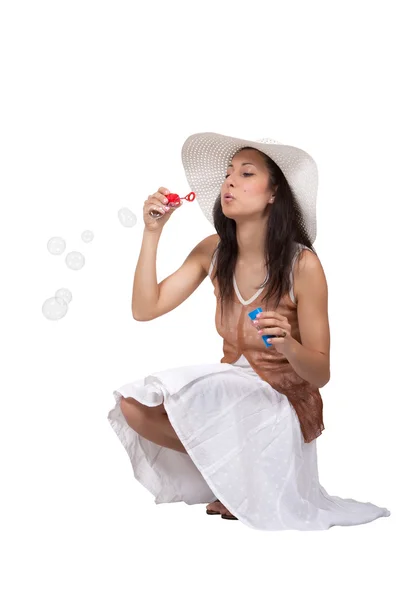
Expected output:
(219, 507)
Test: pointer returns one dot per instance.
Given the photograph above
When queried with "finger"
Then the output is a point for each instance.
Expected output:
(160, 197)
(163, 190)
(158, 208)
(279, 331)
(152, 200)
(175, 206)
(276, 341)
(271, 314)
(268, 322)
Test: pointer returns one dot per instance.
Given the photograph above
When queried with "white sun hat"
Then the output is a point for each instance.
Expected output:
(205, 158)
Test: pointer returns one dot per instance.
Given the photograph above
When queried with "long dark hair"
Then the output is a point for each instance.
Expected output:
(285, 228)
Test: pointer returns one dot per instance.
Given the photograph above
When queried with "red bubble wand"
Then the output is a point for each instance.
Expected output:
(173, 200)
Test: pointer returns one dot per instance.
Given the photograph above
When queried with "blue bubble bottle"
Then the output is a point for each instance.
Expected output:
(265, 338)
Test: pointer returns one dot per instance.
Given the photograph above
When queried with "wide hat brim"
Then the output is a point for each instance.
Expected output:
(205, 158)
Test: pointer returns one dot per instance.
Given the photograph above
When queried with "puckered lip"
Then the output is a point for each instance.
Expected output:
(228, 196)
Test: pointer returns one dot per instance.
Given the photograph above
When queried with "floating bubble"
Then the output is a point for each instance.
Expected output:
(87, 236)
(56, 245)
(75, 260)
(126, 217)
(64, 295)
(54, 308)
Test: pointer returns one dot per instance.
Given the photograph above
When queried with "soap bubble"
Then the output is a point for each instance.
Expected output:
(87, 236)
(75, 260)
(56, 245)
(126, 217)
(64, 295)
(54, 308)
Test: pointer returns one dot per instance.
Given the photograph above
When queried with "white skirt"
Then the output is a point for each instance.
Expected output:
(244, 446)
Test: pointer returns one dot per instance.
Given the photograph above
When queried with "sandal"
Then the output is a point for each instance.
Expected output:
(213, 512)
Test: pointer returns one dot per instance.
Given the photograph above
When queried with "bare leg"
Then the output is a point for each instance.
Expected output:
(151, 423)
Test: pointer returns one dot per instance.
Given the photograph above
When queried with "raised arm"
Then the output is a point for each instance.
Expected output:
(151, 299)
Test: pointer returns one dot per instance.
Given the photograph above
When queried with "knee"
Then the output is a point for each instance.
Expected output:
(135, 410)
(132, 411)
(125, 402)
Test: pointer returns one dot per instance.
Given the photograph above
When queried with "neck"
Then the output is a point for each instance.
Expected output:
(251, 242)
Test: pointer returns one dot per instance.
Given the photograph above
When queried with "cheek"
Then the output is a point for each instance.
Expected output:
(255, 189)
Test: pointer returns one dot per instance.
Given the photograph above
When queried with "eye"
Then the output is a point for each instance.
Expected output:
(244, 174)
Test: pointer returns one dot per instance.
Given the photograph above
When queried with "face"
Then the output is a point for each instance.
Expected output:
(247, 180)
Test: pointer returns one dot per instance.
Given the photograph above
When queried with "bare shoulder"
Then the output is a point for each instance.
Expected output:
(208, 246)
(308, 272)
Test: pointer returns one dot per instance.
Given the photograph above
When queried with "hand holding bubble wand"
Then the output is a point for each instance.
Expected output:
(173, 200)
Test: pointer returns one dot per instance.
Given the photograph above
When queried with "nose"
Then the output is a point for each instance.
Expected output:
(228, 180)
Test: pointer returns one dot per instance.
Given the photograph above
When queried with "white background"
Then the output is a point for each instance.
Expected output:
(97, 99)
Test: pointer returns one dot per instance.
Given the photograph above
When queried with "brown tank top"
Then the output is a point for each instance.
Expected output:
(240, 338)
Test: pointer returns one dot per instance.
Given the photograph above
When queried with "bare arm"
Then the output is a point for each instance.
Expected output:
(311, 358)
(150, 299)
(145, 286)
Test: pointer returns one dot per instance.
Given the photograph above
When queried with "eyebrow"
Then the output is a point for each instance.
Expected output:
(246, 163)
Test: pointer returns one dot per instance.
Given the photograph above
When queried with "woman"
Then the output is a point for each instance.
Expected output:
(241, 434)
